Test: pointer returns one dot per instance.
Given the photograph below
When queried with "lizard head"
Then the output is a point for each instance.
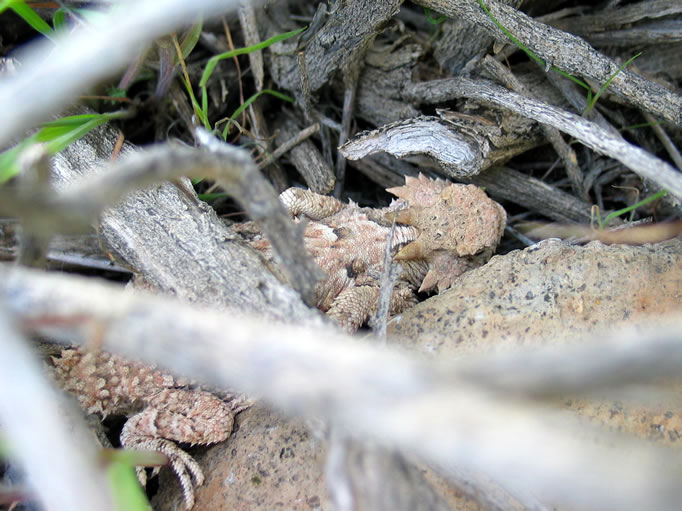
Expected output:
(454, 221)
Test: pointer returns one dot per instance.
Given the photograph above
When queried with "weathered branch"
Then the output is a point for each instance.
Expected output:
(567, 52)
(422, 408)
(587, 132)
(79, 205)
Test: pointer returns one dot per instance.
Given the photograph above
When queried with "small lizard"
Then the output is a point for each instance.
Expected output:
(161, 409)
(444, 230)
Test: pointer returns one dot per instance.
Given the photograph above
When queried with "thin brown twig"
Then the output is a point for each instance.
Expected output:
(228, 36)
(290, 144)
(178, 50)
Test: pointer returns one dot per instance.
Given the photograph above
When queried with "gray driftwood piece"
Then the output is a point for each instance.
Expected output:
(386, 70)
(462, 44)
(336, 47)
(177, 243)
(462, 145)
(614, 25)
(588, 133)
(567, 52)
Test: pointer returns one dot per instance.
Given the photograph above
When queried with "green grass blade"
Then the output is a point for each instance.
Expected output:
(59, 134)
(204, 102)
(71, 120)
(253, 98)
(192, 38)
(9, 160)
(643, 202)
(431, 19)
(640, 125)
(195, 104)
(126, 489)
(593, 101)
(56, 135)
(213, 61)
(29, 16)
(59, 19)
(207, 197)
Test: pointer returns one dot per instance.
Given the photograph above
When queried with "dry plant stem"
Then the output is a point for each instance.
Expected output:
(588, 133)
(567, 52)
(385, 480)
(247, 20)
(336, 470)
(572, 93)
(66, 307)
(348, 107)
(231, 167)
(77, 61)
(669, 145)
(62, 467)
(388, 278)
(306, 104)
(376, 393)
(624, 234)
(292, 142)
(565, 152)
(35, 164)
(305, 156)
(230, 45)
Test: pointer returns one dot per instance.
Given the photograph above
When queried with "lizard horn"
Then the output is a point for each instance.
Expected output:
(402, 192)
(414, 250)
(407, 216)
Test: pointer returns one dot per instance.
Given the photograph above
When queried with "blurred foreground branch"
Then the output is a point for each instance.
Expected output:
(62, 467)
(72, 211)
(437, 412)
(87, 56)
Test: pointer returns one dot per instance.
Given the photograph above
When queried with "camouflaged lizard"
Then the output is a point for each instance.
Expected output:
(443, 229)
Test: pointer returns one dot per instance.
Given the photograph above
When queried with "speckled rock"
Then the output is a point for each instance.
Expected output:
(553, 292)
(550, 291)
(269, 463)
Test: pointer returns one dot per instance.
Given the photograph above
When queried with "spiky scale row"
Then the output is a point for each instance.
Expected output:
(160, 409)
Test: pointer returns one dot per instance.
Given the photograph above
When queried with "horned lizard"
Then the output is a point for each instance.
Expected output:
(444, 229)
(161, 409)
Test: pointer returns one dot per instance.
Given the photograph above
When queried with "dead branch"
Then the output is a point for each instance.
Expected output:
(374, 393)
(588, 133)
(567, 52)
(79, 205)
